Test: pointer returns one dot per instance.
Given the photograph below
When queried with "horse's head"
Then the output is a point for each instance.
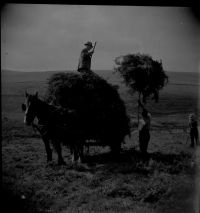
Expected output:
(30, 108)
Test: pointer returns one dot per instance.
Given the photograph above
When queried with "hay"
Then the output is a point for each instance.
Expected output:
(102, 113)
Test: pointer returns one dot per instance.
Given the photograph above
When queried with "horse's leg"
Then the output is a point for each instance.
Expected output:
(87, 148)
(47, 148)
(80, 153)
(59, 152)
(72, 151)
(75, 153)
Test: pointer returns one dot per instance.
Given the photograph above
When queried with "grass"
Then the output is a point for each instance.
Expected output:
(100, 184)
(163, 183)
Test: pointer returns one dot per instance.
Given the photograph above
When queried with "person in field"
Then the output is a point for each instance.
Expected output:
(144, 129)
(85, 58)
(193, 125)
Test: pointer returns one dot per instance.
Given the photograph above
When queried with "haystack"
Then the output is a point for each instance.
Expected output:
(102, 113)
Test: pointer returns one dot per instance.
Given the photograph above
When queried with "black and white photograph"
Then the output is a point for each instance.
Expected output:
(100, 108)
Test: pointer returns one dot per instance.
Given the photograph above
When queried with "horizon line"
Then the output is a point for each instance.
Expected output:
(24, 71)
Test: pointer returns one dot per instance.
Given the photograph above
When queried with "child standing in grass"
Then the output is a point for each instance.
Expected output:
(144, 129)
(193, 125)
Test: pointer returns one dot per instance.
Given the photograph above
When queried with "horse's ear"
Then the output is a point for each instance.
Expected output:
(36, 94)
(26, 93)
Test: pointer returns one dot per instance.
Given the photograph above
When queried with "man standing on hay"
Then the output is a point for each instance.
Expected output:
(84, 64)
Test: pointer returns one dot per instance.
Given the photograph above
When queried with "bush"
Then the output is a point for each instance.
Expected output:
(102, 113)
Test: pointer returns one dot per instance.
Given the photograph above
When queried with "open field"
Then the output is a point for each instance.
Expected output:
(165, 183)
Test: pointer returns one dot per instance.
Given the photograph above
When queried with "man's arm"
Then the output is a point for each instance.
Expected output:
(140, 104)
(85, 53)
(91, 53)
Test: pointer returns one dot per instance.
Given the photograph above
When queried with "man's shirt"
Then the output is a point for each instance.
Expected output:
(85, 60)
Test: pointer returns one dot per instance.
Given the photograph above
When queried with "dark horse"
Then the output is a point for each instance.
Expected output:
(55, 124)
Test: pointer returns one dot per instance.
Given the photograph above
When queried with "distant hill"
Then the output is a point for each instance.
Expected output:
(18, 76)
(190, 78)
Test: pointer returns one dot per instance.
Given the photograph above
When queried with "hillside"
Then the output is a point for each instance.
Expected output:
(19, 76)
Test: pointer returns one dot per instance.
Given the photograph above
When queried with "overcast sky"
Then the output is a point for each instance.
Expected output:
(50, 37)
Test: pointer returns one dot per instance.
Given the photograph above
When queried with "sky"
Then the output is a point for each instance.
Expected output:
(39, 37)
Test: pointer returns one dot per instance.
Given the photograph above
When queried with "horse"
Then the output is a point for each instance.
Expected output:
(55, 124)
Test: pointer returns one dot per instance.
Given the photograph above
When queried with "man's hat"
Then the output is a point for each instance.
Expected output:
(88, 44)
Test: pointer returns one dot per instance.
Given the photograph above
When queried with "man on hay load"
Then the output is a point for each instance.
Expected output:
(84, 64)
